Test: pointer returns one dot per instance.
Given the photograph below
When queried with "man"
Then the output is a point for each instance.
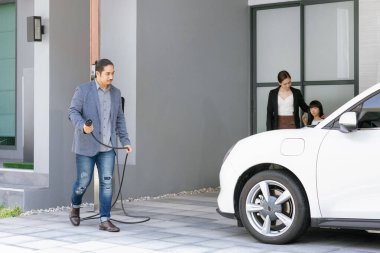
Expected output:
(101, 102)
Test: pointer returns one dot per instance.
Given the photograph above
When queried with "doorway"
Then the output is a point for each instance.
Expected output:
(315, 41)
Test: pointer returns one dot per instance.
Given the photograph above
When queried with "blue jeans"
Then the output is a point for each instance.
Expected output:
(105, 161)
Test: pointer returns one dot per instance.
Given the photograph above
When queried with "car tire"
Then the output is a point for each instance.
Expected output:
(273, 207)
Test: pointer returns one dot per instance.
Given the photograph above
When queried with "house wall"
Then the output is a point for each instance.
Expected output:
(69, 66)
(188, 85)
(191, 95)
(369, 43)
(183, 66)
(192, 91)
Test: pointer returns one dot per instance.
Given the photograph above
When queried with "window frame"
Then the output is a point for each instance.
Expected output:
(14, 146)
(302, 83)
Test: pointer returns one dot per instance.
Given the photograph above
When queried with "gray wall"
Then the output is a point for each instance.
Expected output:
(192, 92)
(369, 43)
(118, 42)
(69, 66)
(192, 100)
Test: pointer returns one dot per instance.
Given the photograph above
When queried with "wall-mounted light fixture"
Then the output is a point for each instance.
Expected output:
(35, 29)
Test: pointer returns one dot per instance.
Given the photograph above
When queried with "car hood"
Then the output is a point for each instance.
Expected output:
(283, 147)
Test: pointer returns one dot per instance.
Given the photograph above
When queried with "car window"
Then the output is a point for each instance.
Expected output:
(368, 112)
(369, 115)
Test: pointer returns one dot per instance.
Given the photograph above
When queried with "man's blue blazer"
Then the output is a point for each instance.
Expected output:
(84, 106)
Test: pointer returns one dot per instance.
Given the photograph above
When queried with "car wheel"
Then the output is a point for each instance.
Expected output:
(273, 207)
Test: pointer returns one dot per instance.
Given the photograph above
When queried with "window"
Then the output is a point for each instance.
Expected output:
(315, 41)
(369, 116)
(7, 74)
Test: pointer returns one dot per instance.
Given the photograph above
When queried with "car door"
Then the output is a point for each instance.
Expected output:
(348, 166)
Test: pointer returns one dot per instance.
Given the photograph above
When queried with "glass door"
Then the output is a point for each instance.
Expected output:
(7, 75)
(315, 41)
(329, 54)
(276, 48)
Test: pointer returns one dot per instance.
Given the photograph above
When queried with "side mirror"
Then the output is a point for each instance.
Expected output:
(348, 122)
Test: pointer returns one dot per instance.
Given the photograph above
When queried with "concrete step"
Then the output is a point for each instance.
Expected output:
(18, 185)
(12, 195)
(23, 177)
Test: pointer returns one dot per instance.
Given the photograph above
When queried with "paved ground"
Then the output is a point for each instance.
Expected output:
(179, 224)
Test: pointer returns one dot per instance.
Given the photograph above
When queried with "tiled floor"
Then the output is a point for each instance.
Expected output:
(178, 224)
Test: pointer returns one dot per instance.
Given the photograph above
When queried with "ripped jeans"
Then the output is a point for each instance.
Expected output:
(105, 162)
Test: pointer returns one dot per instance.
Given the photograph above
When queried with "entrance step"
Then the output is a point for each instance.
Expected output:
(15, 195)
(23, 177)
(18, 186)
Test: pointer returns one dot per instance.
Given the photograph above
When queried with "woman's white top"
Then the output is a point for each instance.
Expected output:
(285, 106)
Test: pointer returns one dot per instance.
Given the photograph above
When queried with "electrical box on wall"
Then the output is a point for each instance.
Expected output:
(35, 29)
(93, 73)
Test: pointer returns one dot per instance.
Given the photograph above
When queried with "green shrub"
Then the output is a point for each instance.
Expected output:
(9, 212)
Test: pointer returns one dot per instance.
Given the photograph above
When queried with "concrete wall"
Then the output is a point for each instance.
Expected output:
(369, 43)
(188, 61)
(65, 50)
(192, 92)
(192, 86)
(69, 67)
(258, 2)
(118, 43)
(25, 78)
(42, 91)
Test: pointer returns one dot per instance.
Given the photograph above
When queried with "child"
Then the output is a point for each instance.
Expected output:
(316, 113)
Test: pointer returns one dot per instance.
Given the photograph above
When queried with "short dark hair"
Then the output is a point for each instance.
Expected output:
(100, 64)
(282, 75)
(316, 103)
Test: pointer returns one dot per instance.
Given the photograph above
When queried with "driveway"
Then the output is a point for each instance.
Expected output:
(182, 223)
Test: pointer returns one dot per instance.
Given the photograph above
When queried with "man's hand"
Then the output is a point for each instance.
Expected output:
(88, 129)
(128, 148)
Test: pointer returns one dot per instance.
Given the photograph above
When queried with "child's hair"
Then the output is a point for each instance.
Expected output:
(316, 103)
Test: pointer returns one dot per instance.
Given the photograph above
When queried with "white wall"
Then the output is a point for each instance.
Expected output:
(61, 62)
(41, 92)
(369, 43)
(258, 2)
(118, 43)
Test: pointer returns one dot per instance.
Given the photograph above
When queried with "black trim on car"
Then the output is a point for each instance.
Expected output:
(227, 215)
(346, 223)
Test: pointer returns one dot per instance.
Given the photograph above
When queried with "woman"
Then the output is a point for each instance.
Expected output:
(283, 104)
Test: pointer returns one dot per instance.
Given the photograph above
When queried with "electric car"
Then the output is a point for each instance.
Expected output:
(279, 183)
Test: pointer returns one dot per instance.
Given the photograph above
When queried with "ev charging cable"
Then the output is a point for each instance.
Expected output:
(95, 216)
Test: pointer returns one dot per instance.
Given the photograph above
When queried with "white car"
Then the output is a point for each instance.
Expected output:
(279, 183)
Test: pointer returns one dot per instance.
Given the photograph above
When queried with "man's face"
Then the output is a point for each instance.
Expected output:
(107, 75)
